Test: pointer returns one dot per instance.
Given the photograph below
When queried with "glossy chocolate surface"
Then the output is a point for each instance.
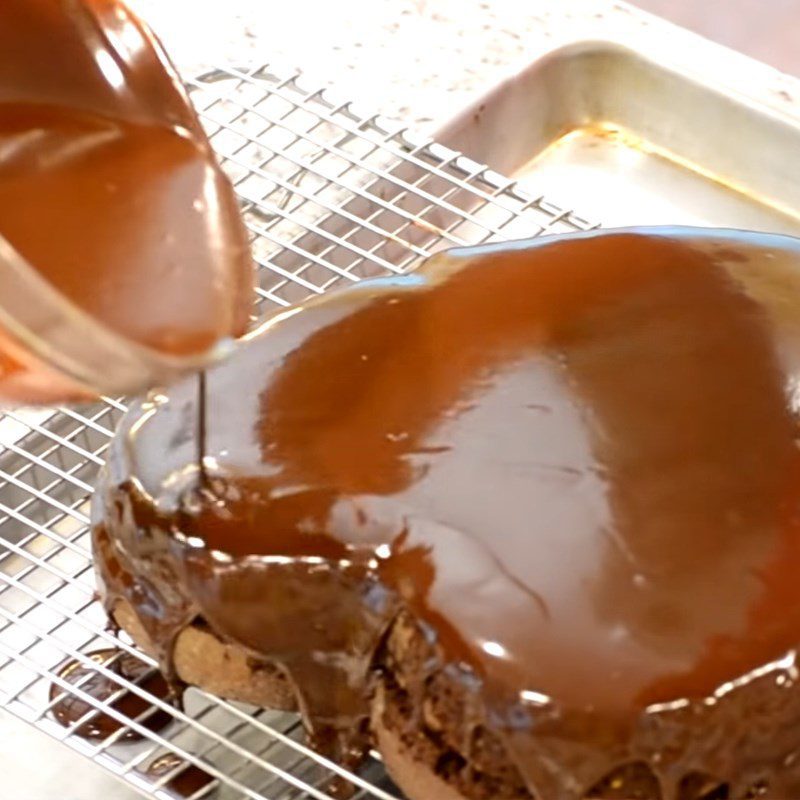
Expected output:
(108, 185)
(187, 780)
(71, 708)
(576, 460)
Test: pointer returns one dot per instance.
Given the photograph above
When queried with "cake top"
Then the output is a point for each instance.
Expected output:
(575, 460)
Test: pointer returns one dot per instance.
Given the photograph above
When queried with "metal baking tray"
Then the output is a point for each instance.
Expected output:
(636, 121)
(620, 119)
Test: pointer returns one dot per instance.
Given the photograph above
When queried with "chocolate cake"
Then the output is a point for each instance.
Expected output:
(527, 519)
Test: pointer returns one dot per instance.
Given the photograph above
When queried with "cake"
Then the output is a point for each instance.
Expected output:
(526, 520)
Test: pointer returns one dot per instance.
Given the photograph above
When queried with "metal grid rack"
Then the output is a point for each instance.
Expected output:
(330, 196)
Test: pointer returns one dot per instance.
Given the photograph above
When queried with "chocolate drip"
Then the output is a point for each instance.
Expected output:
(186, 782)
(71, 708)
(574, 461)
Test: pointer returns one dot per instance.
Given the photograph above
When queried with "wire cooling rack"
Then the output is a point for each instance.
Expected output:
(330, 196)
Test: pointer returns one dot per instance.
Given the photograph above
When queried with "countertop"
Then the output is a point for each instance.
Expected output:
(423, 60)
(416, 60)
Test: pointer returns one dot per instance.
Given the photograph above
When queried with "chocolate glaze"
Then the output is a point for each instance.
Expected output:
(70, 708)
(108, 185)
(575, 460)
(186, 783)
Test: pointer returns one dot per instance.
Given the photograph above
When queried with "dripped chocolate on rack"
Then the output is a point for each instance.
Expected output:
(187, 781)
(108, 184)
(71, 708)
(574, 462)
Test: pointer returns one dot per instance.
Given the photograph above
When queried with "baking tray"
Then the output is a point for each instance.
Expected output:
(331, 194)
(637, 121)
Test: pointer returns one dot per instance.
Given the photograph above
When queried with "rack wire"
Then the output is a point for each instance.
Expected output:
(330, 196)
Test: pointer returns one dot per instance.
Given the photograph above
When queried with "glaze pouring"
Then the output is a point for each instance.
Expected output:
(110, 192)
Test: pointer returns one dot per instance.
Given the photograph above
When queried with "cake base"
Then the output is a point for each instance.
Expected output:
(226, 670)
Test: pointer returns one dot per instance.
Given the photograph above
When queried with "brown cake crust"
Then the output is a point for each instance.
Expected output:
(427, 729)
(413, 776)
(226, 670)
(422, 745)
